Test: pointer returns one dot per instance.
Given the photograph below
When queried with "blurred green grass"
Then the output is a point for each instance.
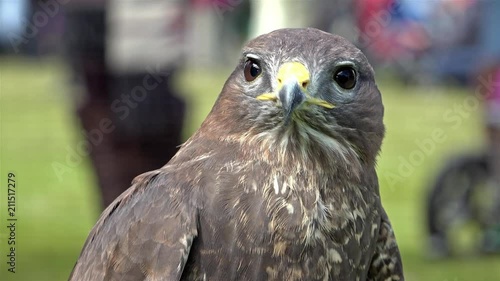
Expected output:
(37, 126)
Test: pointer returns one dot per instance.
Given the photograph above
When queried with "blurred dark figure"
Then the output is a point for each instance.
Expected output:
(467, 189)
(124, 55)
(489, 82)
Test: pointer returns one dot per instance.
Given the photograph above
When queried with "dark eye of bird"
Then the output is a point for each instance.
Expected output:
(252, 70)
(345, 77)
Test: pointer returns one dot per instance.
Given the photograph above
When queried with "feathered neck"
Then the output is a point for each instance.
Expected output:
(300, 143)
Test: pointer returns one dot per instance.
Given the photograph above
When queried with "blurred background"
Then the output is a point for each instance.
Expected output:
(95, 92)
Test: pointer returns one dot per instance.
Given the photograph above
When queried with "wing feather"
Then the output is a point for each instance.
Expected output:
(145, 234)
(386, 263)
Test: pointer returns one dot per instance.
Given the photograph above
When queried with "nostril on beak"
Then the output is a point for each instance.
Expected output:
(305, 83)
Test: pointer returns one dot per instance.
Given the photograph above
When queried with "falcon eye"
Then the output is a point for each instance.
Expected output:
(345, 77)
(252, 70)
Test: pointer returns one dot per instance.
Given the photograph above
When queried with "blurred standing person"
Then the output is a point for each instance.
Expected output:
(124, 55)
(391, 32)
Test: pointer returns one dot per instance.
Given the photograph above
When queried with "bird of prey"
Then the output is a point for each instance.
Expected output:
(278, 183)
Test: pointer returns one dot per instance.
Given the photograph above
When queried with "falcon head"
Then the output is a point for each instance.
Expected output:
(301, 94)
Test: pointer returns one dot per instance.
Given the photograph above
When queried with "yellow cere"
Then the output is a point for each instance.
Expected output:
(293, 70)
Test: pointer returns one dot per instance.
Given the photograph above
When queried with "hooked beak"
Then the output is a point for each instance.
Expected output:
(293, 79)
(291, 96)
